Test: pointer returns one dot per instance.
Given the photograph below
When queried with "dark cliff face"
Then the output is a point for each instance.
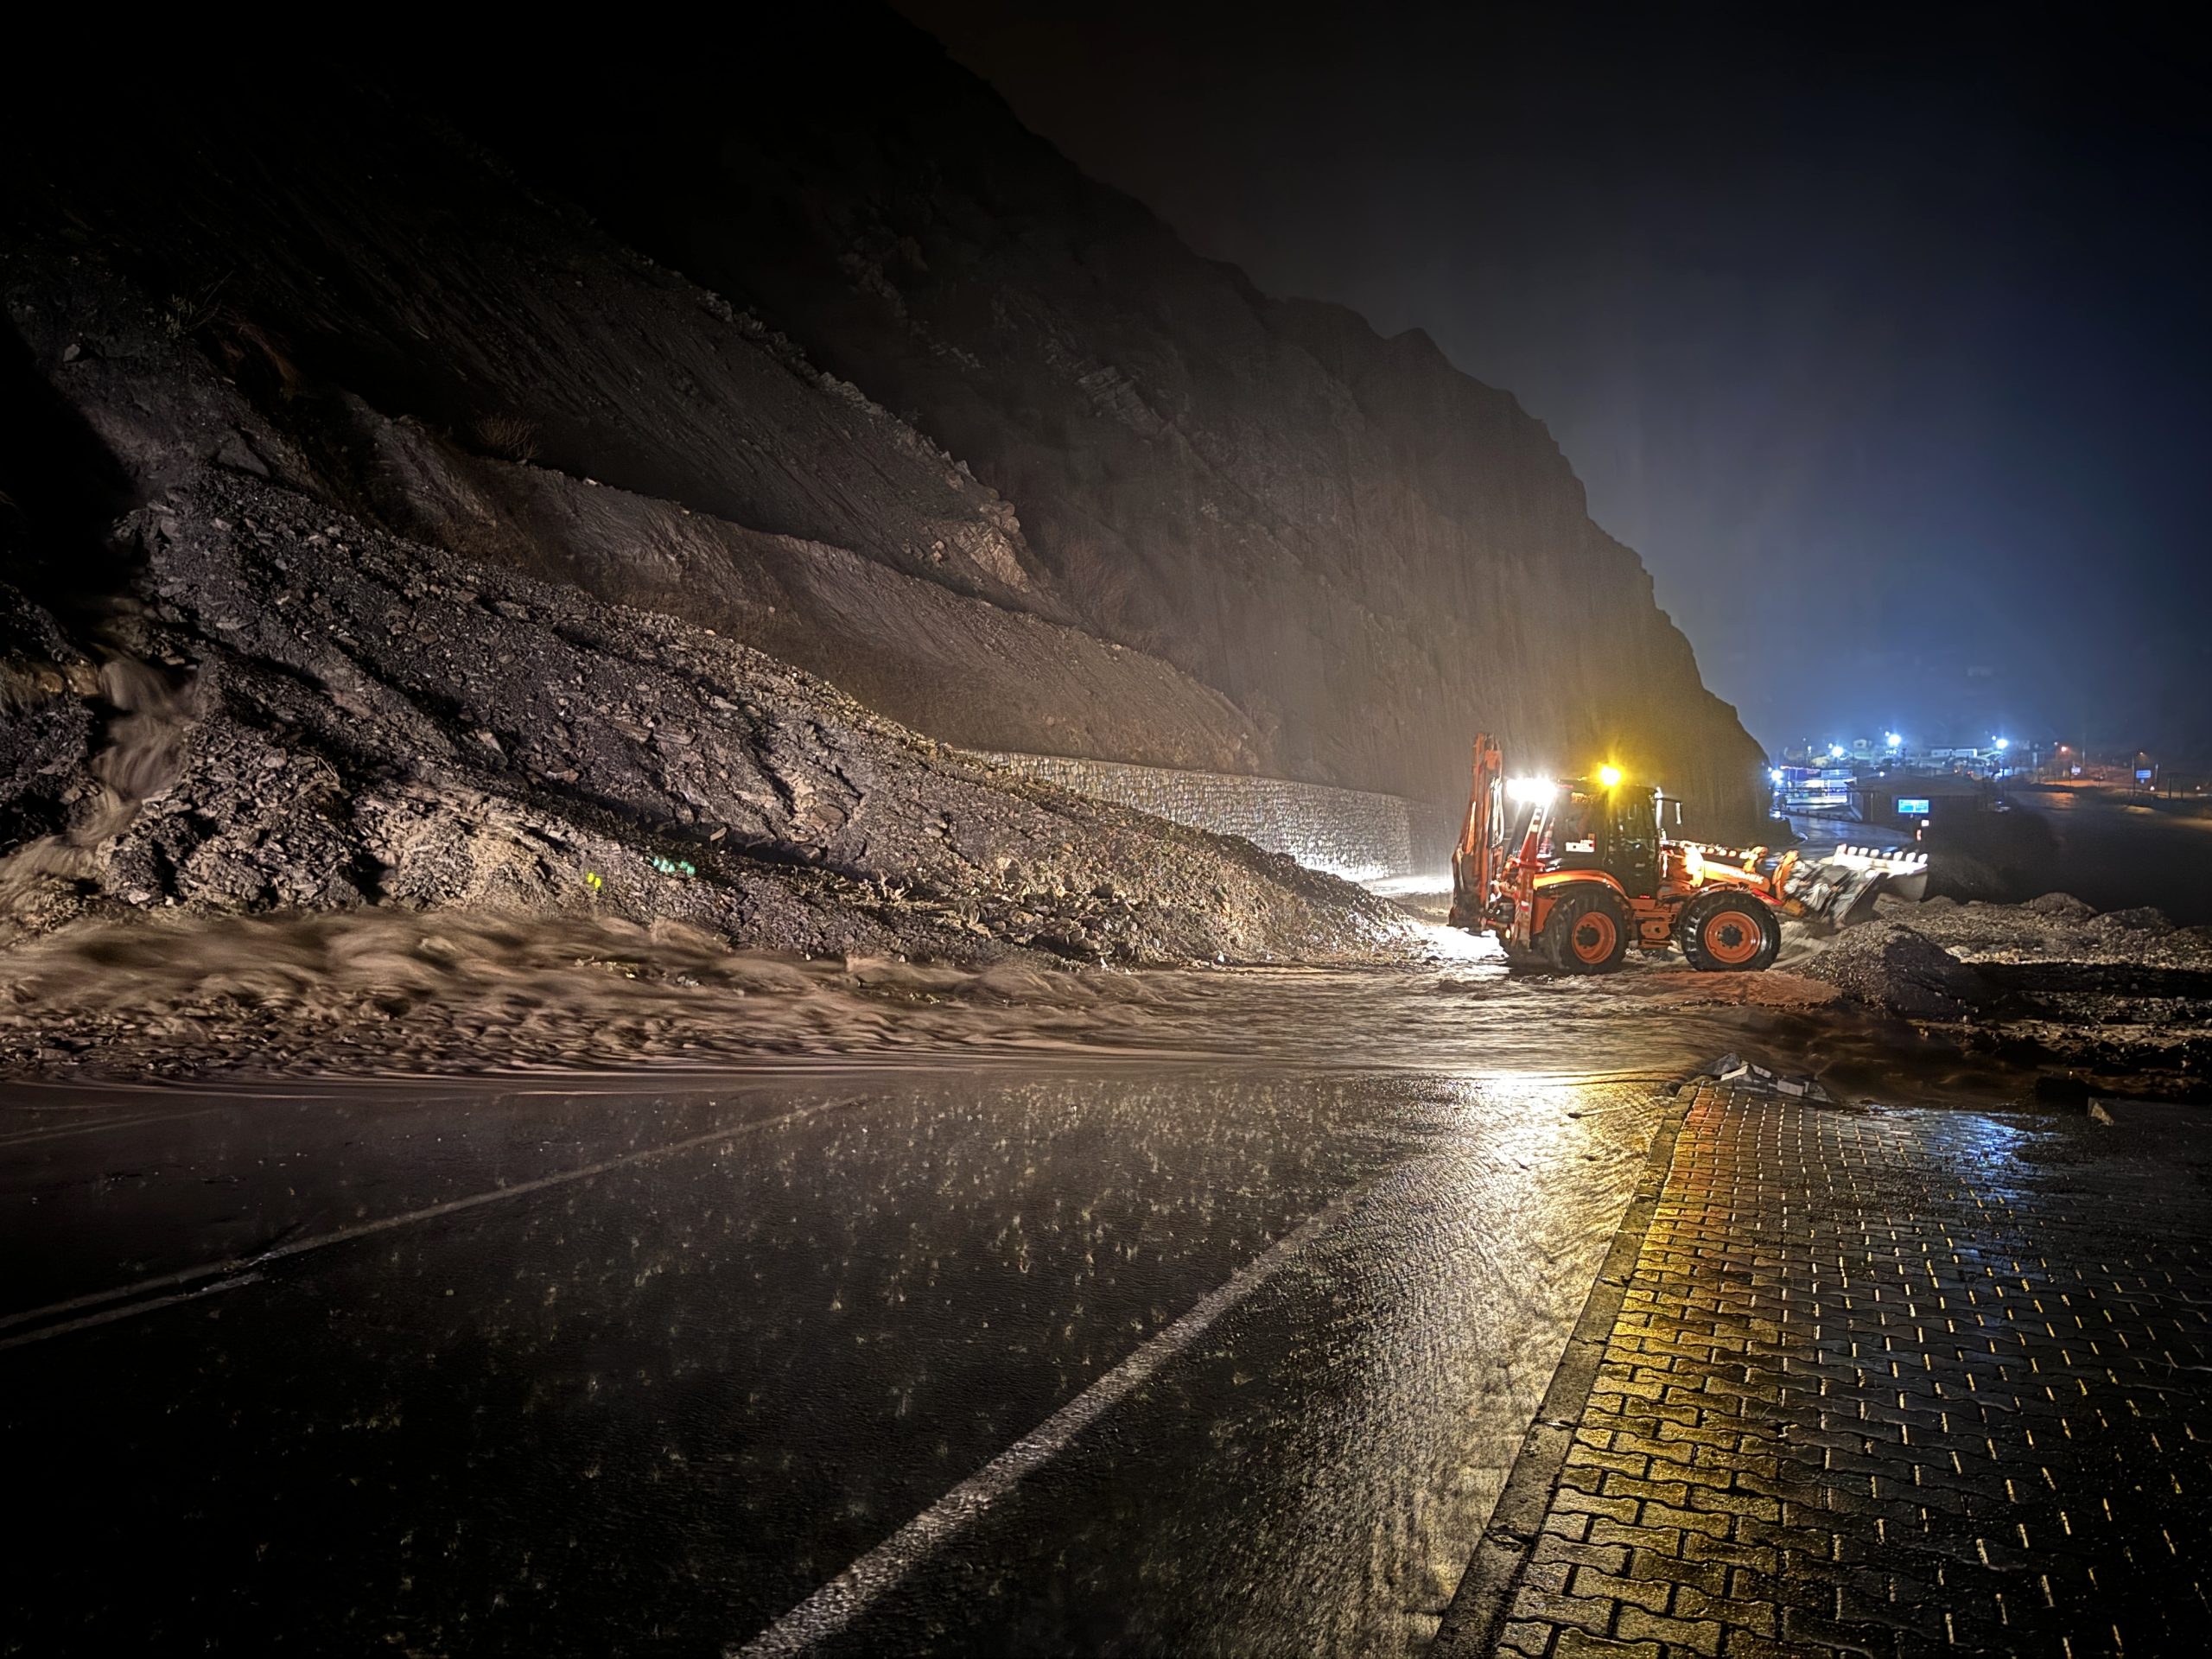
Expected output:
(916, 377)
(1371, 553)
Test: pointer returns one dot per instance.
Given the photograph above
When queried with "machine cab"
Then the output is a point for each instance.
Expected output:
(1612, 827)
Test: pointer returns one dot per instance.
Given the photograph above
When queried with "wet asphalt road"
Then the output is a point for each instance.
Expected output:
(1133, 1358)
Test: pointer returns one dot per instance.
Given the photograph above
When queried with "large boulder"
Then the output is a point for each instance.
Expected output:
(2061, 907)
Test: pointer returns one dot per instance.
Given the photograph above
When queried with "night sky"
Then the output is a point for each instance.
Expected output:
(1883, 338)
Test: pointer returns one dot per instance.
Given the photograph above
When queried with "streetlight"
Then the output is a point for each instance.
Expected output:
(1893, 739)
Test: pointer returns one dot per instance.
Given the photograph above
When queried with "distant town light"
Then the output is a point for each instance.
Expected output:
(1893, 739)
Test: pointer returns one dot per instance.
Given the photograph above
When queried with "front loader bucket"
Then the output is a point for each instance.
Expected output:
(1841, 889)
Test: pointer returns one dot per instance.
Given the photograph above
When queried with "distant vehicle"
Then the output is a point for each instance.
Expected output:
(1568, 875)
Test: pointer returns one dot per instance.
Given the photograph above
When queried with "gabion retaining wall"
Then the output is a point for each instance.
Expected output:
(1349, 832)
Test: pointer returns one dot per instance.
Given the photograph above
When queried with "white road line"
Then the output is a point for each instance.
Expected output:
(845, 1597)
(56, 1131)
(129, 1310)
(384, 1223)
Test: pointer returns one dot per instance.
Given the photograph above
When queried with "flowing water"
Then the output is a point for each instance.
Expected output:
(385, 991)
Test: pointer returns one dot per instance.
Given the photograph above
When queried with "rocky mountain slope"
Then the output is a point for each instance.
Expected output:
(1371, 553)
(927, 412)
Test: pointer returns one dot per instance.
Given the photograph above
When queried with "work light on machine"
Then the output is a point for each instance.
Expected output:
(1530, 791)
(1609, 777)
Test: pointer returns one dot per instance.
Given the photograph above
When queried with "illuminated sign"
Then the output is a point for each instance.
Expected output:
(1912, 808)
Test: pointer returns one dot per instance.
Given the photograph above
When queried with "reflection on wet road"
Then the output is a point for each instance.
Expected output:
(1189, 1359)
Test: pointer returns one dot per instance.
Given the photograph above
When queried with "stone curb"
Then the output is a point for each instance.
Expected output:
(1471, 1624)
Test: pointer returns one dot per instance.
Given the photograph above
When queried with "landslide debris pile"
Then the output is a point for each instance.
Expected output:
(228, 683)
(1900, 970)
(238, 696)
(316, 714)
(926, 412)
(2127, 987)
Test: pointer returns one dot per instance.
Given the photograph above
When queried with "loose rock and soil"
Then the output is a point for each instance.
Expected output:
(302, 712)
(2126, 990)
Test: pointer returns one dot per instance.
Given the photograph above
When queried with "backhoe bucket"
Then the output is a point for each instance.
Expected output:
(1841, 889)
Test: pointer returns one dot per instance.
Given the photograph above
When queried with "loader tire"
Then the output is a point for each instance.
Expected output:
(1729, 933)
(1585, 933)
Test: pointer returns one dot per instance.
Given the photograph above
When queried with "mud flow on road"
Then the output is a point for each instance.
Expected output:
(318, 994)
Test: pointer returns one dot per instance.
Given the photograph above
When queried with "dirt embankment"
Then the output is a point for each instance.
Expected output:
(222, 691)
(2124, 990)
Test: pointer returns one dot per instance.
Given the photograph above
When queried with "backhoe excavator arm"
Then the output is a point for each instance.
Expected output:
(1475, 861)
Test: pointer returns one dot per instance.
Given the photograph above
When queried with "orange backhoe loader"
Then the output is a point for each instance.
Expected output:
(1568, 875)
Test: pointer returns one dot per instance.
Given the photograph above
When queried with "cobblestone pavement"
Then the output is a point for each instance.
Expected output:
(1892, 1382)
